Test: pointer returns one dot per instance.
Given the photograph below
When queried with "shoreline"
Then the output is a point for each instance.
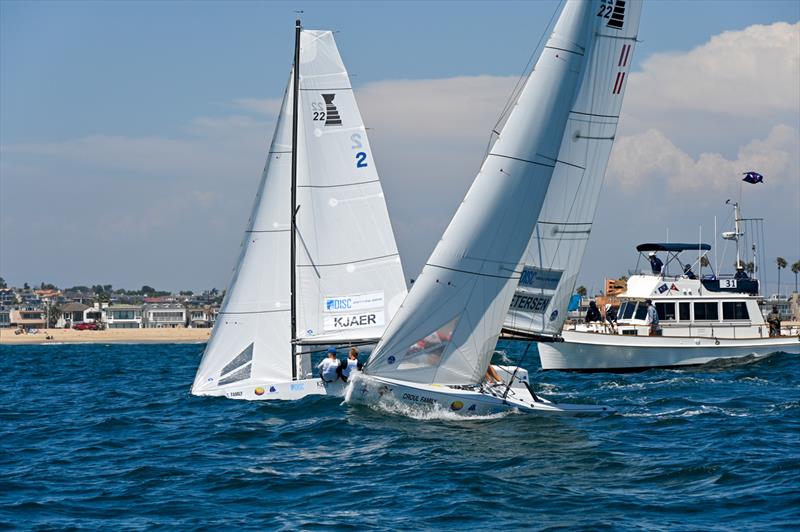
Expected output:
(108, 336)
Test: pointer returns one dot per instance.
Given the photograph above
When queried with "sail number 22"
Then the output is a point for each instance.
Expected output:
(361, 156)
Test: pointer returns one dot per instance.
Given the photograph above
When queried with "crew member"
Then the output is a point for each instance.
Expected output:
(740, 273)
(655, 263)
(593, 313)
(774, 321)
(328, 368)
(350, 364)
(652, 318)
(611, 317)
(687, 271)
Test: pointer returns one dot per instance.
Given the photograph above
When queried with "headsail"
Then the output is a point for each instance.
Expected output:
(554, 254)
(446, 330)
(349, 278)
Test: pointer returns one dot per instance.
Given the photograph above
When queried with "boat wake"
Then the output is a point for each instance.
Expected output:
(433, 412)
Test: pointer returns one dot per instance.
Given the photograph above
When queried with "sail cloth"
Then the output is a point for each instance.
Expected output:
(446, 330)
(349, 278)
(555, 251)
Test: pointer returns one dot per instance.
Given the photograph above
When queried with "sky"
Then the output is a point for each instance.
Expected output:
(133, 134)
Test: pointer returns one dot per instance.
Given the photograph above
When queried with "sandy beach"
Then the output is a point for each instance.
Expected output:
(7, 336)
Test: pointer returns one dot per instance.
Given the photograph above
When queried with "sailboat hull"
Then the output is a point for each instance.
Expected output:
(585, 351)
(397, 395)
(281, 391)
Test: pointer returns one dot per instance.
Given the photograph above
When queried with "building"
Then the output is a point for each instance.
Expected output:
(784, 306)
(200, 317)
(28, 318)
(162, 315)
(72, 313)
(5, 317)
(124, 317)
(8, 297)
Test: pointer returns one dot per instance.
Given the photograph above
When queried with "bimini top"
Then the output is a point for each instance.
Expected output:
(675, 247)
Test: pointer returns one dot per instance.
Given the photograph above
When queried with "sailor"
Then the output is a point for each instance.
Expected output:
(652, 318)
(774, 321)
(740, 273)
(611, 317)
(655, 263)
(687, 271)
(350, 364)
(329, 366)
(492, 377)
(593, 314)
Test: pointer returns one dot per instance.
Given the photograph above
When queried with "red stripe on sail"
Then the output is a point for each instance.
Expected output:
(618, 88)
(616, 84)
(627, 53)
(622, 54)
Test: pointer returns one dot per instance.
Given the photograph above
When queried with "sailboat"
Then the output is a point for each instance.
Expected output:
(318, 264)
(438, 348)
(556, 248)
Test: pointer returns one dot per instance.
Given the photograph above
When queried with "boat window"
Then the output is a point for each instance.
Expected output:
(641, 311)
(428, 350)
(706, 311)
(666, 311)
(684, 312)
(626, 311)
(734, 310)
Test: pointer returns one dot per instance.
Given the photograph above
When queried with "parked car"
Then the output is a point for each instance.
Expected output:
(86, 327)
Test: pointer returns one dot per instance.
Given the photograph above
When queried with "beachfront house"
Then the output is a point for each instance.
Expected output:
(28, 318)
(8, 297)
(72, 313)
(5, 317)
(164, 315)
(200, 317)
(124, 316)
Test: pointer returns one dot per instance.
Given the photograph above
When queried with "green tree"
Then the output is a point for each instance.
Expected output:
(581, 291)
(781, 262)
(26, 286)
(53, 314)
(750, 268)
(795, 271)
(3, 283)
(147, 290)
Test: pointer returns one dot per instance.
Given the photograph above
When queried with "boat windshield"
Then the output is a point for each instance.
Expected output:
(626, 311)
(641, 311)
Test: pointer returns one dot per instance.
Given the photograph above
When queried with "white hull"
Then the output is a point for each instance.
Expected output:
(285, 391)
(391, 393)
(585, 351)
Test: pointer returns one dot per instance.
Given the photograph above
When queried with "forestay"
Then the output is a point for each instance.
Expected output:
(446, 330)
(349, 278)
(554, 254)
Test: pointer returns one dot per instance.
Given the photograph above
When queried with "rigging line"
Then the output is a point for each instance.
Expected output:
(521, 160)
(566, 50)
(511, 380)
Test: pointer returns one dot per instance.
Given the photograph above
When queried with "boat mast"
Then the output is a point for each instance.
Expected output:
(293, 252)
(737, 216)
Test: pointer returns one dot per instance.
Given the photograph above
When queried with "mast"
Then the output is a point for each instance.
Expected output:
(737, 217)
(293, 252)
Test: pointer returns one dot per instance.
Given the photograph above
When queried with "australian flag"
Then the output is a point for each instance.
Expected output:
(753, 177)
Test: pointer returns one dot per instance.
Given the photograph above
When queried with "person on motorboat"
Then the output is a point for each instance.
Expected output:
(611, 317)
(655, 263)
(350, 364)
(774, 321)
(740, 273)
(687, 272)
(328, 368)
(593, 314)
(652, 318)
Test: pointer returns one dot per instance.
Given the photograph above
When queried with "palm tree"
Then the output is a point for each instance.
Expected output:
(781, 262)
(795, 271)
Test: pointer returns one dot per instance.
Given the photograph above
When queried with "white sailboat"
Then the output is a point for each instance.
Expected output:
(318, 264)
(556, 248)
(438, 348)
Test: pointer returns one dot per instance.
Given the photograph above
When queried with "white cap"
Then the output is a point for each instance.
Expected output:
(652, 253)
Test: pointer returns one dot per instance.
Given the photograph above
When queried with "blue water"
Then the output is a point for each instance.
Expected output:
(108, 437)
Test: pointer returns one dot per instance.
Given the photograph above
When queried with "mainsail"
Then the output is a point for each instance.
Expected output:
(555, 251)
(446, 330)
(349, 281)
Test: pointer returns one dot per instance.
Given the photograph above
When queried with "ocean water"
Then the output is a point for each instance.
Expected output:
(107, 436)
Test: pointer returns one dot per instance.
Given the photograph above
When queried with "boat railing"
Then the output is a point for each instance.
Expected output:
(707, 330)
